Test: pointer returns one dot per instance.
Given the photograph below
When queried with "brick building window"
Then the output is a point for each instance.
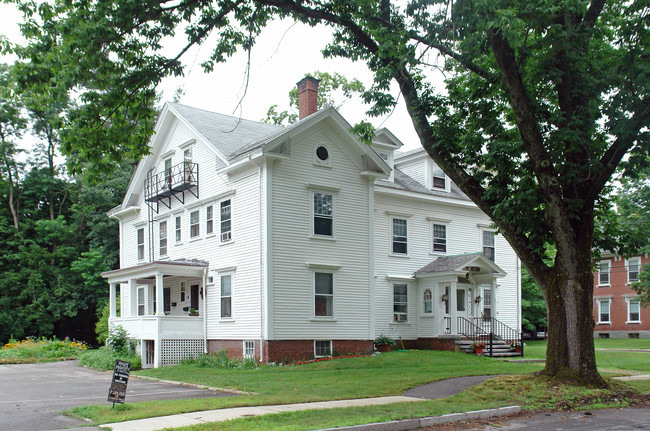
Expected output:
(603, 273)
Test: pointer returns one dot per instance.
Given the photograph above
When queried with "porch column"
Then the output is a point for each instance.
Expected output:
(453, 313)
(160, 308)
(438, 311)
(112, 299)
(493, 293)
(133, 298)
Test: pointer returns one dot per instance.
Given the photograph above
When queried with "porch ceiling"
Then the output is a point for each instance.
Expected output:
(188, 268)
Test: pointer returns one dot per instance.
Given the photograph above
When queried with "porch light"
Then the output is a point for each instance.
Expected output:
(478, 299)
(445, 298)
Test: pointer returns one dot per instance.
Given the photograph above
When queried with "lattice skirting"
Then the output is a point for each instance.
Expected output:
(174, 351)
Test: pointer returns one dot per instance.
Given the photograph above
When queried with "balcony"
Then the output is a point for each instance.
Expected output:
(174, 181)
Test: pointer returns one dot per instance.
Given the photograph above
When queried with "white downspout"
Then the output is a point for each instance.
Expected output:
(205, 310)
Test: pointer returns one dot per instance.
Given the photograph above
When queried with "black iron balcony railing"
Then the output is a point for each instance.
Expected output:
(173, 181)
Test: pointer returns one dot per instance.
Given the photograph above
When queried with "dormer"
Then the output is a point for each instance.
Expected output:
(436, 179)
(385, 144)
(419, 166)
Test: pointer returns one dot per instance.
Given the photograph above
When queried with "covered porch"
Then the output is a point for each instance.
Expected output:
(162, 305)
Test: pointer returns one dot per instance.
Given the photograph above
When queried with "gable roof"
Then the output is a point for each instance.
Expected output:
(458, 263)
(227, 134)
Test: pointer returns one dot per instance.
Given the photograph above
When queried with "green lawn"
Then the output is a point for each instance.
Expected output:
(388, 374)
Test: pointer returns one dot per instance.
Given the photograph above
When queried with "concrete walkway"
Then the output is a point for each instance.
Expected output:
(439, 389)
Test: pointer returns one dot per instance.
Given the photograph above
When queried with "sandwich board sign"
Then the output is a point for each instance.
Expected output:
(117, 391)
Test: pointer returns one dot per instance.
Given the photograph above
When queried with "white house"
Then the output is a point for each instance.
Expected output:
(299, 241)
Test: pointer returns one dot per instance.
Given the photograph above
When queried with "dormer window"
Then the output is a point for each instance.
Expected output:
(439, 179)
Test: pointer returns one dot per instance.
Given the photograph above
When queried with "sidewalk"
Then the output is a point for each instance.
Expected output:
(439, 389)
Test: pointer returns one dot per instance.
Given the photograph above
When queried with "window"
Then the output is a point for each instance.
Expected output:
(323, 214)
(460, 299)
(446, 295)
(249, 349)
(439, 238)
(322, 349)
(167, 299)
(427, 302)
(487, 304)
(187, 165)
(603, 311)
(322, 153)
(603, 273)
(400, 305)
(399, 236)
(140, 301)
(209, 220)
(141, 244)
(226, 296)
(488, 244)
(163, 238)
(168, 173)
(439, 180)
(323, 294)
(183, 291)
(633, 311)
(178, 229)
(633, 269)
(226, 226)
(194, 224)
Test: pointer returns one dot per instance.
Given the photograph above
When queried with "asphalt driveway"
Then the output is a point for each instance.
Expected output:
(32, 395)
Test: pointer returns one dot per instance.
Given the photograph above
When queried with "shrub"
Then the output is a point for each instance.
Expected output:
(103, 359)
(118, 340)
(221, 359)
(34, 350)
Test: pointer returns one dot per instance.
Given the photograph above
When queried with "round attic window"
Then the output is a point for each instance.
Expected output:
(322, 153)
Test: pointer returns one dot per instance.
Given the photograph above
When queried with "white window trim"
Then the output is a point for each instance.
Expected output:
(627, 268)
(598, 302)
(494, 232)
(628, 303)
(447, 187)
(323, 269)
(138, 244)
(440, 223)
(209, 234)
(232, 295)
(327, 163)
(198, 223)
(326, 191)
(331, 348)
(391, 252)
(244, 354)
(609, 272)
(229, 240)
(178, 228)
(392, 293)
(424, 313)
(160, 238)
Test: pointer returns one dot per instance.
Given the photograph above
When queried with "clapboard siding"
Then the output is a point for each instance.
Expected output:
(294, 248)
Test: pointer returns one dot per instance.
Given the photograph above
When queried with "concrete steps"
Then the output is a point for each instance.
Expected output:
(500, 348)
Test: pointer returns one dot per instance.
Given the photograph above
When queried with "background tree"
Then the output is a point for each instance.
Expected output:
(544, 101)
(333, 90)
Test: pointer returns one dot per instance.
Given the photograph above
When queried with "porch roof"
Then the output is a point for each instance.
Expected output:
(473, 263)
(181, 267)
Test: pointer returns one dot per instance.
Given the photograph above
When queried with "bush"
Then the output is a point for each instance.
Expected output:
(118, 340)
(103, 359)
(35, 350)
(221, 360)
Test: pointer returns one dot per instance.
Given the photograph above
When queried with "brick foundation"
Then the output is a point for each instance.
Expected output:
(436, 344)
(234, 348)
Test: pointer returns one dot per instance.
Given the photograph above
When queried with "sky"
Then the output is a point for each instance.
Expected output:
(285, 52)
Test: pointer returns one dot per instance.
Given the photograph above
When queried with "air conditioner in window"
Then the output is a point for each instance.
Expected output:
(226, 236)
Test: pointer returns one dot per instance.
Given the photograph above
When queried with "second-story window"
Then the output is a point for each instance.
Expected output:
(439, 238)
(178, 229)
(209, 220)
(323, 208)
(489, 249)
(399, 236)
(163, 238)
(168, 173)
(226, 221)
(633, 266)
(140, 237)
(194, 224)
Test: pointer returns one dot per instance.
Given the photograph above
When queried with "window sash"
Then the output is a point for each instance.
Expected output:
(634, 310)
(633, 270)
(400, 236)
(460, 300)
(140, 237)
(603, 314)
(194, 224)
(209, 220)
(603, 273)
(489, 248)
(439, 180)
(163, 238)
(322, 349)
(140, 301)
(178, 229)
(427, 301)
(323, 209)
(226, 225)
(400, 302)
(440, 238)
(323, 294)
(249, 349)
(226, 296)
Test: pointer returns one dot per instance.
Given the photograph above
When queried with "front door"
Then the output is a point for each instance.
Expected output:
(462, 302)
(194, 296)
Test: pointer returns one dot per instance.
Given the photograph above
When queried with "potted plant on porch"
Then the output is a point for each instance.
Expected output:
(193, 312)
(383, 343)
(478, 347)
(515, 346)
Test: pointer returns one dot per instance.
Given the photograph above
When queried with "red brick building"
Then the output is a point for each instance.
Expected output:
(617, 311)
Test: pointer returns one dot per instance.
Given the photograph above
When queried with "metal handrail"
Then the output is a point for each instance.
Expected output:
(183, 174)
(487, 330)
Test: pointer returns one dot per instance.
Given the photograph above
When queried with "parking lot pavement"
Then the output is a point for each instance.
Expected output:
(32, 395)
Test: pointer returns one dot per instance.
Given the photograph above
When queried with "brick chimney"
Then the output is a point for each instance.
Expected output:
(307, 96)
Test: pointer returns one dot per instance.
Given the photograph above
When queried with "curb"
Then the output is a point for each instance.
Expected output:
(410, 424)
(193, 385)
